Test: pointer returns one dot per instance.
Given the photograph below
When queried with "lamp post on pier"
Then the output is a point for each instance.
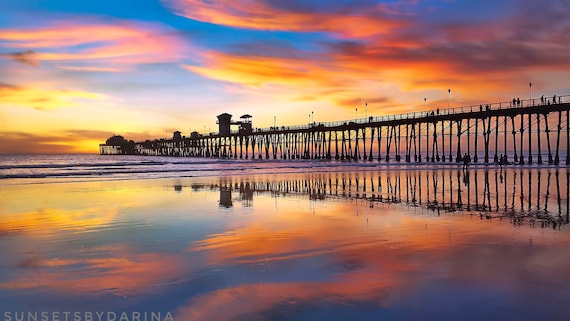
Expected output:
(530, 94)
(449, 98)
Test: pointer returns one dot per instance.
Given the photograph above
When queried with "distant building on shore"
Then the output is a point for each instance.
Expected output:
(117, 145)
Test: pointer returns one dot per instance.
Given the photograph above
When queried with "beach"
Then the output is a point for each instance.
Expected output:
(238, 160)
(279, 241)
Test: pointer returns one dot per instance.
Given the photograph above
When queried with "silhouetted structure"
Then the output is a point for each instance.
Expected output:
(117, 145)
(245, 125)
(224, 122)
(524, 132)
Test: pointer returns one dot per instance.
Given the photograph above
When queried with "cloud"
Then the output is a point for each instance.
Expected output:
(352, 102)
(110, 45)
(42, 99)
(65, 141)
(89, 68)
(26, 57)
(354, 20)
(475, 56)
(4, 86)
(257, 71)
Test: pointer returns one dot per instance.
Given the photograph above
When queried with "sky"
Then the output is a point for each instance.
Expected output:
(73, 73)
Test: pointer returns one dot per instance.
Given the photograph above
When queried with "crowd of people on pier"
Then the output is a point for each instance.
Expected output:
(543, 101)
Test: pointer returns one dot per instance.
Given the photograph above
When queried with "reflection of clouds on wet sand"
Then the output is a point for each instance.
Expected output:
(393, 256)
(353, 266)
(251, 301)
(47, 222)
(283, 254)
(84, 238)
(116, 274)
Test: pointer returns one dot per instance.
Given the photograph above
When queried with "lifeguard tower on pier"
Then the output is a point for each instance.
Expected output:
(225, 122)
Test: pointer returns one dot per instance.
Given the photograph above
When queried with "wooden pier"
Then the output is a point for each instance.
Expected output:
(534, 131)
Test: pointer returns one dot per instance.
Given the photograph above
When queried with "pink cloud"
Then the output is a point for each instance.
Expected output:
(110, 46)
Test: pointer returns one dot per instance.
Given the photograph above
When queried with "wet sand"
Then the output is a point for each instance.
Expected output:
(389, 245)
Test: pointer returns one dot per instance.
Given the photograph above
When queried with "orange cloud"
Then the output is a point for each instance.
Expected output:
(342, 79)
(482, 61)
(125, 43)
(346, 73)
(60, 142)
(255, 71)
(263, 16)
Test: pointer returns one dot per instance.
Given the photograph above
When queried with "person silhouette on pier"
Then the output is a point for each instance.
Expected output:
(542, 100)
(466, 161)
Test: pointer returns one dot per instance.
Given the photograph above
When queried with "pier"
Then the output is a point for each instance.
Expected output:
(533, 131)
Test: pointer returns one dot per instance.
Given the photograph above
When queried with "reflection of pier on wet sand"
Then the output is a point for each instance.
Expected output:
(534, 196)
(533, 131)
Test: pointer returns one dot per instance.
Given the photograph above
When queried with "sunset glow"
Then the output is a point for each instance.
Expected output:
(74, 73)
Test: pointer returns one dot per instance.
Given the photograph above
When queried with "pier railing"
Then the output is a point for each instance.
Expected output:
(419, 114)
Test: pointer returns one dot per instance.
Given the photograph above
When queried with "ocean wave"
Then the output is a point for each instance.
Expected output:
(48, 166)
(100, 167)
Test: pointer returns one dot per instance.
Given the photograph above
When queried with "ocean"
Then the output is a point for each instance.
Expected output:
(90, 237)
(53, 168)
